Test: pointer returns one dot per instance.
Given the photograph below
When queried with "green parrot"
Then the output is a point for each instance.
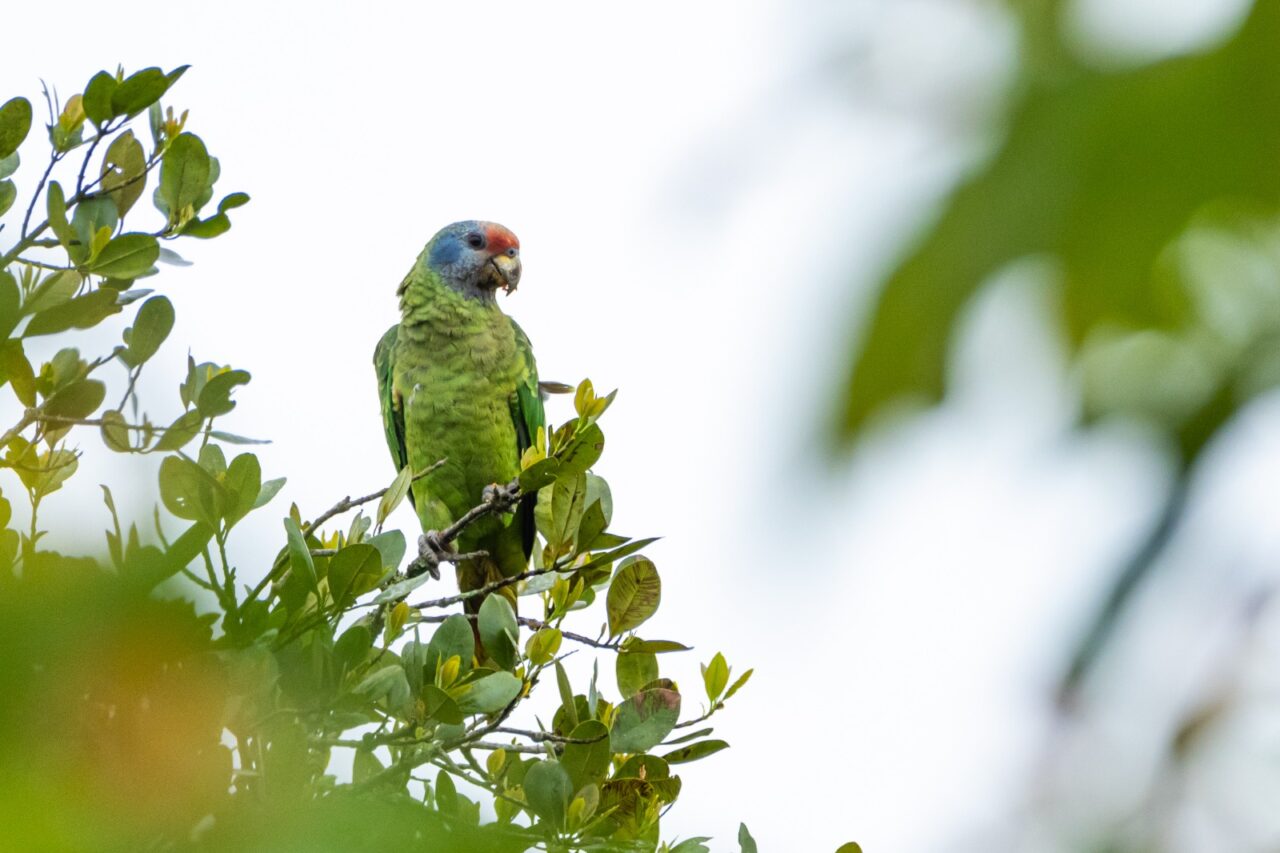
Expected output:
(457, 381)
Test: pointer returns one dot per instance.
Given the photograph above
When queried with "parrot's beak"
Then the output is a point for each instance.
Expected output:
(508, 271)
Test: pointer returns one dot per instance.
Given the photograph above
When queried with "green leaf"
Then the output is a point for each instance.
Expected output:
(14, 365)
(149, 330)
(10, 306)
(243, 481)
(15, 121)
(90, 217)
(547, 788)
(592, 525)
(849, 847)
(184, 173)
(8, 192)
(742, 679)
(402, 588)
(446, 794)
(353, 571)
(115, 435)
(694, 751)
(138, 91)
(387, 683)
(9, 165)
(692, 845)
(184, 549)
(567, 505)
(616, 554)
(715, 676)
(543, 645)
(215, 397)
(188, 491)
(352, 647)
(124, 171)
(745, 841)
(268, 491)
(583, 452)
(395, 493)
(182, 430)
(55, 289)
(219, 223)
(644, 720)
(453, 637)
(232, 438)
(232, 201)
(391, 544)
(499, 631)
(587, 762)
(566, 696)
(78, 400)
(366, 766)
(643, 766)
(539, 475)
(97, 98)
(83, 312)
(126, 256)
(657, 647)
(213, 460)
(441, 706)
(57, 215)
(634, 595)
(691, 736)
(634, 671)
(491, 693)
(300, 555)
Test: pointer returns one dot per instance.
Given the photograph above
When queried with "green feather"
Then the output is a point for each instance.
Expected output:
(457, 381)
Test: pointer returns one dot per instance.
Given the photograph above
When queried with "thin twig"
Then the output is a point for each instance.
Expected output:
(42, 265)
(93, 145)
(344, 505)
(541, 737)
(29, 417)
(509, 747)
(493, 586)
(349, 503)
(444, 558)
(535, 624)
(54, 157)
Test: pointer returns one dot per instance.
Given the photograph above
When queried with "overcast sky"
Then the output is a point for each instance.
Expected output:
(703, 193)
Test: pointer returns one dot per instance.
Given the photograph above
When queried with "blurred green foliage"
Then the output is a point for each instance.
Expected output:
(1152, 192)
(1102, 172)
(131, 719)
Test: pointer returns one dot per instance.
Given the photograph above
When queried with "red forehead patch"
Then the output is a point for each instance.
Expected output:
(500, 239)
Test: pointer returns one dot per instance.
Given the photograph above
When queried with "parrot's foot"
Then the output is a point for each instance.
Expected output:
(431, 553)
(501, 498)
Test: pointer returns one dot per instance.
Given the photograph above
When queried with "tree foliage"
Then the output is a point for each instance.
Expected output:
(161, 696)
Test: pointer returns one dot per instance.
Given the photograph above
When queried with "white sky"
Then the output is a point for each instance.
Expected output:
(699, 210)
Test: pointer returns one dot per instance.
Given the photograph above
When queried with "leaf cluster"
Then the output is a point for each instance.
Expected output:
(166, 702)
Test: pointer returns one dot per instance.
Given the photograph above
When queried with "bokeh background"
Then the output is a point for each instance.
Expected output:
(944, 331)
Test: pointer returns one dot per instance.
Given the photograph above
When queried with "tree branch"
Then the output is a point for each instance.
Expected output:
(344, 505)
(537, 625)
(542, 737)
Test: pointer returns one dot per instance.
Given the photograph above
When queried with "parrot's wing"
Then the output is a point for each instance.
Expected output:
(392, 413)
(529, 416)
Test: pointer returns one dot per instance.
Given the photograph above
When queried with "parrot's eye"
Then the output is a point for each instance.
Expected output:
(475, 240)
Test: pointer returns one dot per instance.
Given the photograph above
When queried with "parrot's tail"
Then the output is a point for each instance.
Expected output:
(475, 574)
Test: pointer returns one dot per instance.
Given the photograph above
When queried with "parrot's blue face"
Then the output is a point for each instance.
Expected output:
(475, 258)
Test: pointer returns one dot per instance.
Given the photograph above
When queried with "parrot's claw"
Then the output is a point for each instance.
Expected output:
(431, 552)
(502, 498)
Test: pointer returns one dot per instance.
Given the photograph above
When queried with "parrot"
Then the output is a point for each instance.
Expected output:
(457, 382)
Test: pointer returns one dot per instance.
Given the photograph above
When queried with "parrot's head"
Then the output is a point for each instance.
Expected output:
(475, 258)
